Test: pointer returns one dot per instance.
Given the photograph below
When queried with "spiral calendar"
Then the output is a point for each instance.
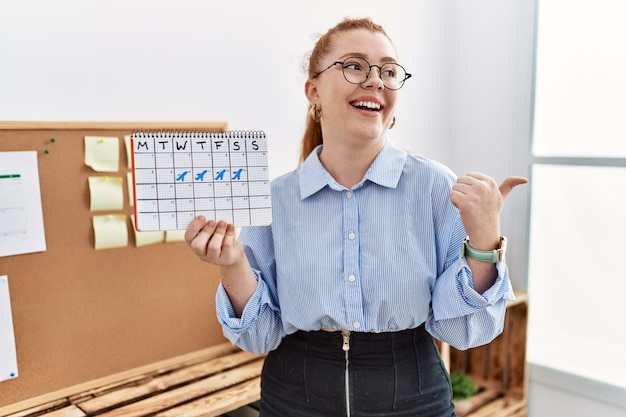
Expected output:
(178, 176)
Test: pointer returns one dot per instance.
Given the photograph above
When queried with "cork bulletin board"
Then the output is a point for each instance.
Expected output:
(81, 314)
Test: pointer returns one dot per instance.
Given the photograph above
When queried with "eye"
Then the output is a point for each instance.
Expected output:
(355, 65)
(389, 71)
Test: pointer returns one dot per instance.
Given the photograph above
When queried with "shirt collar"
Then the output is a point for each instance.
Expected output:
(384, 171)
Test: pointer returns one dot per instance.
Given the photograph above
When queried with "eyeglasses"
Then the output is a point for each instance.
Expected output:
(357, 71)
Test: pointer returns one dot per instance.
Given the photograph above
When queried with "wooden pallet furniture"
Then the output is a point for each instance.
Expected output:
(499, 368)
(223, 380)
(226, 382)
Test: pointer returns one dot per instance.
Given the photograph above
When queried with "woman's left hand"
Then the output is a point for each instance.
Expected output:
(479, 200)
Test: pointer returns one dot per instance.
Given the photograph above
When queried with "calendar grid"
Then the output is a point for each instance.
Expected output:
(179, 176)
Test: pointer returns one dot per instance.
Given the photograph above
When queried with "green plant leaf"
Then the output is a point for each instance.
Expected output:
(462, 386)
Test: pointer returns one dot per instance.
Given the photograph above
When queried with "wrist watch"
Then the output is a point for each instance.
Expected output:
(494, 256)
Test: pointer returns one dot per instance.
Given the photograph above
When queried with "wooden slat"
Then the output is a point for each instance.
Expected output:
(497, 359)
(485, 396)
(477, 360)
(53, 405)
(70, 411)
(517, 330)
(188, 392)
(208, 354)
(501, 407)
(219, 403)
(251, 410)
(459, 360)
(150, 386)
(522, 412)
(114, 379)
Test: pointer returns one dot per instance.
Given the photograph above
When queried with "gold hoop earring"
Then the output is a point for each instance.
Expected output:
(315, 114)
(393, 122)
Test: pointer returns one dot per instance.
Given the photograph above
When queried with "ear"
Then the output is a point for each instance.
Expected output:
(310, 90)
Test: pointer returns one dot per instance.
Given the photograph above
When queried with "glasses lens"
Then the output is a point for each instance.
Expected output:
(393, 75)
(355, 70)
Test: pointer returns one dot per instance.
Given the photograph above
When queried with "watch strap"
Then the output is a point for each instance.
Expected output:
(493, 256)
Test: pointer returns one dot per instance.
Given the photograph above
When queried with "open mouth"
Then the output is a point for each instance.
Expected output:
(367, 105)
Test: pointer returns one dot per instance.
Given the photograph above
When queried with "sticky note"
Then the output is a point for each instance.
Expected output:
(129, 181)
(110, 231)
(175, 236)
(146, 238)
(106, 193)
(102, 153)
(129, 151)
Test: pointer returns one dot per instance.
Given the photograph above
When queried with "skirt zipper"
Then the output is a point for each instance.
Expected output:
(346, 349)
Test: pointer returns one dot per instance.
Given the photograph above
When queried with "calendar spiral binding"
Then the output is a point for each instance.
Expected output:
(191, 134)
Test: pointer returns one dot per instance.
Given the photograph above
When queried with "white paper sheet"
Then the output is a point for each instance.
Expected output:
(21, 216)
(8, 356)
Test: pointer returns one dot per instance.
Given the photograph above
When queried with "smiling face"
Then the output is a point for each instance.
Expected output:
(362, 112)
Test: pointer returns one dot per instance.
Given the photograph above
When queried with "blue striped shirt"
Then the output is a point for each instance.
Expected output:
(382, 256)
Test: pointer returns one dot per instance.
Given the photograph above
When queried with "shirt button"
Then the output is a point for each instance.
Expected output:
(351, 278)
(349, 194)
(351, 236)
(356, 324)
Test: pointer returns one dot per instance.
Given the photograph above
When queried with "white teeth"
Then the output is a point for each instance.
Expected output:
(368, 104)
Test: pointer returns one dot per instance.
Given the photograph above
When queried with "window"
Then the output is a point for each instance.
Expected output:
(577, 268)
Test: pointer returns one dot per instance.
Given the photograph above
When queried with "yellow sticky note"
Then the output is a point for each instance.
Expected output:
(106, 193)
(131, 194)
(110, 231)
(146, 238)
(175, 235)
(129, 158)
(102, 153)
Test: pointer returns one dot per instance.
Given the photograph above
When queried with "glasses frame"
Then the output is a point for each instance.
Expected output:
(369, 71)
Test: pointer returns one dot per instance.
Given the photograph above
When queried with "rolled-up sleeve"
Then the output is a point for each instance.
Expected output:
(460, 315)
(259, 329)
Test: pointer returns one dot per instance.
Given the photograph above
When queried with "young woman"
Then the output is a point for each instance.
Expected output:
(363, 263)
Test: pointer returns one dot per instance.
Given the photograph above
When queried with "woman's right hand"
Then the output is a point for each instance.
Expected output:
(214, 242)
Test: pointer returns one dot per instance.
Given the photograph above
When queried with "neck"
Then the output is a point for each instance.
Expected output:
(346, 164)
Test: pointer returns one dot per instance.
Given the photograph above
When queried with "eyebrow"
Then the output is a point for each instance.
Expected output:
(361, 55)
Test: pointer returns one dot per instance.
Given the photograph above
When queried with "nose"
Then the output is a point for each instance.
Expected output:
(374, 81)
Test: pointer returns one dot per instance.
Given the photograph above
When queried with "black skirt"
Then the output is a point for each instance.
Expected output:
(396, 374)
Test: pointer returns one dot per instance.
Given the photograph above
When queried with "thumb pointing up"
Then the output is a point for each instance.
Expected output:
(509, 183)
(479, 200)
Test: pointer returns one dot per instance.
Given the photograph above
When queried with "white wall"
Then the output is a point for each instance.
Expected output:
(491, 81)
(237, 61)
(240, 61)
(468, 104)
